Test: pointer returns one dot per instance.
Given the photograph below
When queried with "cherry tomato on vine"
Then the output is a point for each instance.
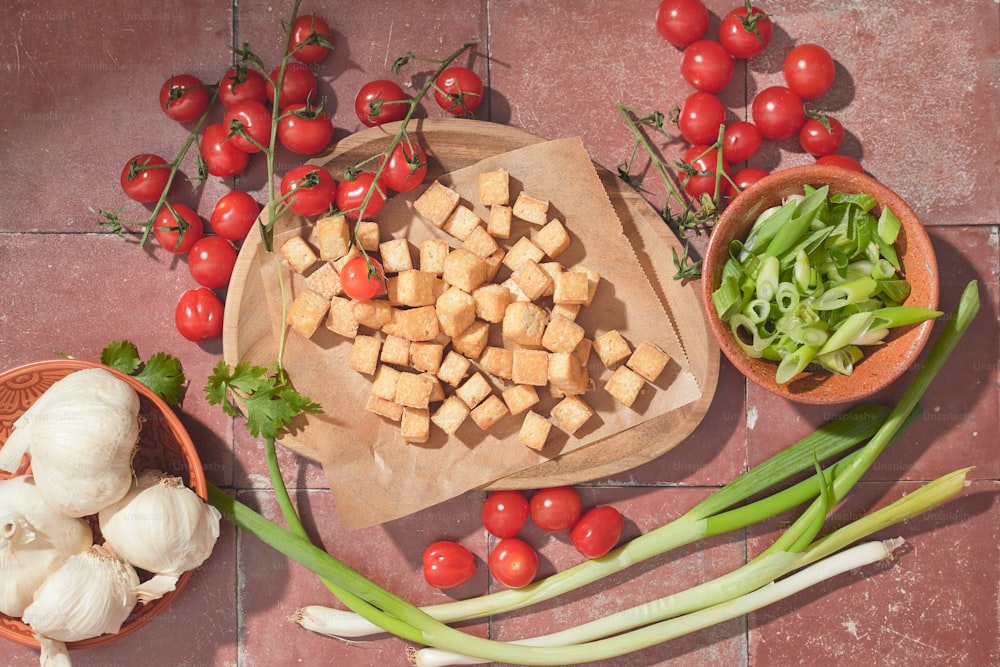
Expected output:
(778, 112)
(234, 215)
(198, 315)
(513, 562)
(598, 531)
(458, 90)
(740, 141)
(221, 155)
(700, 118)
(505, 512)
(681, 22)
(556, 508)
(183, 98)
(745, 34)
(380, 101)
(303, 29)
(744, 178)
(448, 564)
(351, 195)
(254, 118)
(299, 85)
(809, 70)
(175, 235)
(838, 160)
(242, 83)
(406, 167)
(305, 129)
(144, 177)
(313, 189)
(211, 261)
(356, 282)
(705, 160)
(818, 139)
(707, 66)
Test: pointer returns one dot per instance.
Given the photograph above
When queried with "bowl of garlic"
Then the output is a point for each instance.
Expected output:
(103, 501)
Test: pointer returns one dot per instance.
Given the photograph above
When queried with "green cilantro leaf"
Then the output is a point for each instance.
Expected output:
(161, 372)
(122, 356)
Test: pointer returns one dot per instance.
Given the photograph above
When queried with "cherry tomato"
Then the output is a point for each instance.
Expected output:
(351, 195)
(703, 159)
(175, 235)
(379, 102)
(221, 155)
(809, 70)
(817, 140)
(838, 160)
(406, 168)
(198, 316)
(745, 34)
(458, 90)
(701, 117)
(505, 513)
(144, 177)
(556, 508)
(305, 47)
(305, 129)
(681, 22)
(707, 66)
(313, 187)
(598, 531)
(242, 83)
(234, 215)
(183, 98)
(298, 87)
(741, 140)
(778, 112)
(356, 281)
(513, 562)
(744, 178)
(448, 564)
(255, 120)
(211, 261)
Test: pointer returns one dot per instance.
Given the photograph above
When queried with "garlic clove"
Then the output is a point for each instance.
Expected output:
(54, 653)
(157, 587)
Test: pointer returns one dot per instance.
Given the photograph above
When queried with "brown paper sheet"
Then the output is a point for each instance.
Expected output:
(375, 477)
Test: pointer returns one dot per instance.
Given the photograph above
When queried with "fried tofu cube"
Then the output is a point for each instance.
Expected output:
(395, 350)
(325, 281)
(648, 360)
(480, 243)
(420, 324)
(436, 203)
(572, 287)
(497, 361)
(533, 280)
(373, 313)
(493, 263)
(462, 222)
(340, 319)
(519, 398)
(530, 367)
(566, 310)
(425, 356)
(332, 236)
(565, 373)
(364, 354)
(432, 254)
(552, 238)
(582, 351)
(456, 310)
(519, 253)
(474, 390)
(593, 280)
(534, 430)
(494, 187)
(369, 235)
(562, 335)
(473, 340)
(437, 389)
(625, 385)
(464, 270)
(388, 409)
(571, 413)
(385, 382)
(498, 222)
(414, 390)
(412, 287)
(306, 312)
(342, 261)
(298, 254)
(524, 323)
(450, 414)
(515, 292)
(612, 348)
(489, 412)
(531, 209)
(415, 425)
(395, 255)
(553, 269)
(453, 368)
(491, 302)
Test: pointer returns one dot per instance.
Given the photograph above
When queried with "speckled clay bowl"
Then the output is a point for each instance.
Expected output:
(164, 444)
(882, 364)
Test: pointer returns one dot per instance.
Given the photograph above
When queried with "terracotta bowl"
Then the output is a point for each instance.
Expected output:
(881, 364)
(164, 444)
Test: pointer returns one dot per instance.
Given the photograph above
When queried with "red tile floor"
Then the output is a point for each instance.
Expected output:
(916, 89)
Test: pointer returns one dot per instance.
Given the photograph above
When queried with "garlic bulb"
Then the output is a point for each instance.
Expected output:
(160, 526)
(81, 434)
(35, 540)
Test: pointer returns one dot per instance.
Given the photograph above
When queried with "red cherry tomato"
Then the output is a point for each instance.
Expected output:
(741, 140)
(556, 508)
(744, 178)
(234, 215)
(177, 235)
(817, 140)
(598, 531)
(307, 48)
(184, 98)
(242, 83)
(745, 34)
(356, 281)
(198, 315)
(778, 112)
(379, 102)
(305, 129)
(458, 90)
(707, 66)
(313, 187)
(701, 117)
(838, 160)
(211, 261)
(221, 155)
(406, 168)
(351, 196)
(513, 562)
(505, 512)
(299, 85)
(809, 71)
(681, 22)
(448, 564)
(255, 120)
(144, 177)
(704, 160)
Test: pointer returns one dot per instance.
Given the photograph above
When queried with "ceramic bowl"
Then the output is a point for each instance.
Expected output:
(882, 364)
(164, 444)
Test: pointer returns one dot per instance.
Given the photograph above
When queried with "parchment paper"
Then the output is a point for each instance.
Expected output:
(373, 475)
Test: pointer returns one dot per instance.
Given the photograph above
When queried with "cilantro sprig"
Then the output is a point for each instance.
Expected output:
(161, 372)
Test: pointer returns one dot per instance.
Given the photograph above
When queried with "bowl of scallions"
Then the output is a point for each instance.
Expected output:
(820, 284)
